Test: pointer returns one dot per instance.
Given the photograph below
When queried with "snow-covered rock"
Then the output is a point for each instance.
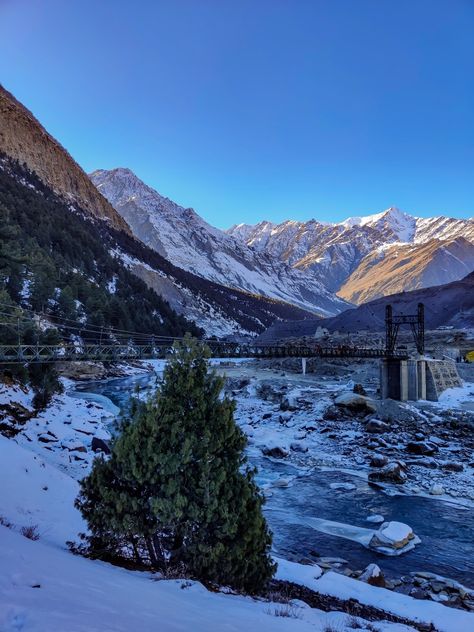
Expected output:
(393, 472)
(375, 518)
(373, 575)
(393, 538)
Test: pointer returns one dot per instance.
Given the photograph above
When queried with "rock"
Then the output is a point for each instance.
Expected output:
(300, 434)
(99, 445)
(391, 473)
(266, 415)
(285, 417)
(47, 437)
(425, 462)
(375, 518)
(437, 490)
(355, 403)
(74, 446)
(375, 426)
(393, 538)
(282, 482)
(299, 446)
(373, 575)
(288, 403)
(418, 593)
(359, 389)
(378, 460)
(277, 452)
(333, 413)
(453, 466)
(424, 448)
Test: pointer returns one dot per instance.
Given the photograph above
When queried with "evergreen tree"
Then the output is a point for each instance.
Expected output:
(176, 490)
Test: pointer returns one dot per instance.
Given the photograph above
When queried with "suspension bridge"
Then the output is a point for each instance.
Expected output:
(161, 349)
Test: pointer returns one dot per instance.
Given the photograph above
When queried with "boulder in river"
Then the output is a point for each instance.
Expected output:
(437, 490)
(299, 446)
(452, 466)
(393, 538)
(391, 473)
(378, 460)
(277, 452)
(375, 518)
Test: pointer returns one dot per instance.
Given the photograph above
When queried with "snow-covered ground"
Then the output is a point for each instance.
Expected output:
(44, 588)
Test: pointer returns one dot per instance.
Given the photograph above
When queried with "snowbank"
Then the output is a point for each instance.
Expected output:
(35, 493)
(43, 589)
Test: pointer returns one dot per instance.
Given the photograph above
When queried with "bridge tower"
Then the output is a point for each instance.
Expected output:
(393, 323)
(404, 379)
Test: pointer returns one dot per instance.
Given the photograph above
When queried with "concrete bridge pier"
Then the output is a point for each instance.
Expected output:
(418, 378)
(303, 366)
(403, 380)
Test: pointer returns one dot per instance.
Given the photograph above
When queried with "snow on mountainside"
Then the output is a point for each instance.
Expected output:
(184, 238)
(352, 257)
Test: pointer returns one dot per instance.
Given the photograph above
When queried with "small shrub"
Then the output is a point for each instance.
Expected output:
(30, 532)
(285, 610)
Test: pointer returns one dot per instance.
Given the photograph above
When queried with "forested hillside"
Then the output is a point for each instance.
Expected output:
(57, 262)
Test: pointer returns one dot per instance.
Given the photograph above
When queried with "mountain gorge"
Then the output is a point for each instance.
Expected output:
(364, 258)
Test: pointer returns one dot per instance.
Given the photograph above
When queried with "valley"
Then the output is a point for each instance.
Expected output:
(264, 427)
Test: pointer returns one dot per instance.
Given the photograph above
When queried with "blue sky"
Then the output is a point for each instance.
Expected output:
(258, 109)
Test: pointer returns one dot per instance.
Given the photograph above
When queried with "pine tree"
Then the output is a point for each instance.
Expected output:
(177, 490)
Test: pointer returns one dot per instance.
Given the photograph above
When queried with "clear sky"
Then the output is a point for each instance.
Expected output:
(258, 109)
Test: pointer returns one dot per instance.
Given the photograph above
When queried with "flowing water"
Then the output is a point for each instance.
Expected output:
(309, 518)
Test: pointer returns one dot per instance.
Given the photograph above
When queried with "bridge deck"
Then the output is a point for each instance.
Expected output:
(14, 354)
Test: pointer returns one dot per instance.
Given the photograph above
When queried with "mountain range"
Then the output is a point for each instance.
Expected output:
(364, 258)
(183, 237)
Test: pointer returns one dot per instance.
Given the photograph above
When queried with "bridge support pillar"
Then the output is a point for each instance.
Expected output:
(303, 366)
(403, 379)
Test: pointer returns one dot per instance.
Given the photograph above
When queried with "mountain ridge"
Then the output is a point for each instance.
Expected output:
(340, 252)
(23, 138)
(183, 237)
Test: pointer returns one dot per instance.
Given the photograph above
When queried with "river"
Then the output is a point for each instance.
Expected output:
(309, 518)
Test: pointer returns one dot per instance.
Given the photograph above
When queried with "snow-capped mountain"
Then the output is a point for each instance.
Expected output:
(184, 238)
(363, 258)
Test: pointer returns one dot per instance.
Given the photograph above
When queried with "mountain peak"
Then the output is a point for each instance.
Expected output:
(392, 220)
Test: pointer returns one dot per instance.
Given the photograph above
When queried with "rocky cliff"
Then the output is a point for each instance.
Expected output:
(23, 138)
